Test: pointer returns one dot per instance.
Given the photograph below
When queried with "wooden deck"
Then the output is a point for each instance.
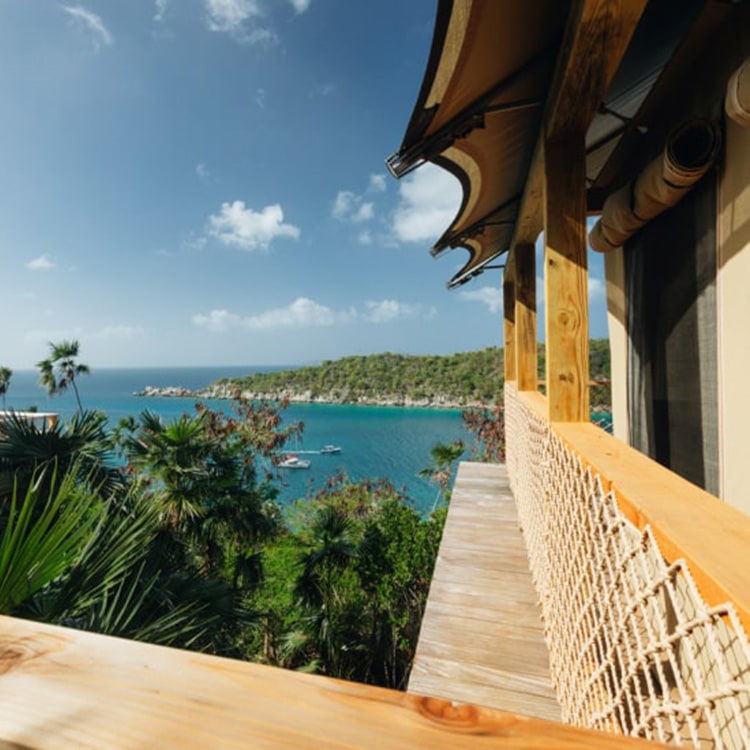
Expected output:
(482, 640)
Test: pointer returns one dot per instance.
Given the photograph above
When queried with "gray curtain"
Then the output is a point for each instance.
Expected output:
(670, 272)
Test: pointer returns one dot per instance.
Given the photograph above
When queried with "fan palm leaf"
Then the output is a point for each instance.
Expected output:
(43, 534)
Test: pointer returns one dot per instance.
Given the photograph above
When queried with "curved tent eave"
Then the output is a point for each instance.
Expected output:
(479, 112)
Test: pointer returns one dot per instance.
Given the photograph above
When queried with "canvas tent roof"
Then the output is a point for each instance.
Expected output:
(483, 98)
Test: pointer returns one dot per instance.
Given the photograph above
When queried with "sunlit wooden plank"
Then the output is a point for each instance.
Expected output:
(566, 281)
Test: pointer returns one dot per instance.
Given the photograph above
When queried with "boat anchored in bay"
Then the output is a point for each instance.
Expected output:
(331, 449)
(294, 462)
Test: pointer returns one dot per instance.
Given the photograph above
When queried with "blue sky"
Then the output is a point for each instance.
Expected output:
(202, 182)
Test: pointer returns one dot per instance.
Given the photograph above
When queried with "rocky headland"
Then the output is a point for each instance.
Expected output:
(228, 391)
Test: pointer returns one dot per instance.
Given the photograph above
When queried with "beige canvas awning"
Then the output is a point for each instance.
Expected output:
(486, 90)
(479, 111)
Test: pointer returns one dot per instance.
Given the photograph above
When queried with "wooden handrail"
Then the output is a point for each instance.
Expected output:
(687, 522)
(62, 688)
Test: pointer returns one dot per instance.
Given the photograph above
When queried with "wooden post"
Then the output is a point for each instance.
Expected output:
(525, 318)
(566, 279)
(509, 328)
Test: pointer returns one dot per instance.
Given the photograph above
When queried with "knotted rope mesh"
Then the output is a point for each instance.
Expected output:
(634, 648)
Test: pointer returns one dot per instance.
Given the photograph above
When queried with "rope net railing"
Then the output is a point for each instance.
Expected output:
(633, 646)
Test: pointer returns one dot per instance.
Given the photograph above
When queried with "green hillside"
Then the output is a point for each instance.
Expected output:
(467, 377)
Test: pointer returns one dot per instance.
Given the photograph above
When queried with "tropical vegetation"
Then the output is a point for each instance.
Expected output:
(457, 378)
(61, 369)
(463, 379)
(5, 375)
(171, 532)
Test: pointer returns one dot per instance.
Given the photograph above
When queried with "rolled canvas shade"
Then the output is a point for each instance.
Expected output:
(737, 101)
(690, 152)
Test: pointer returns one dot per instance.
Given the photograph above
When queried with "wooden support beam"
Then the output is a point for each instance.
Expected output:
(525, 318)
(509, 325)
(566, 280)
(596, 38)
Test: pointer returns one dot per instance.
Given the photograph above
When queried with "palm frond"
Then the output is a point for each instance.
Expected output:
(43, 534)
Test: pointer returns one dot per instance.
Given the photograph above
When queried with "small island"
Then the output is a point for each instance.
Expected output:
(452, 381)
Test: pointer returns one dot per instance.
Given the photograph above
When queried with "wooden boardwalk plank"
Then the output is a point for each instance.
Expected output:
(482, 639)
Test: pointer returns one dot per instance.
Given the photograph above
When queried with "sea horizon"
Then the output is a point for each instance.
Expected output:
(391, 442)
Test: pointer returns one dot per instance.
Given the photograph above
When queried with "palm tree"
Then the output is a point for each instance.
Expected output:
(60, 369)
(199, 475)
(81, 441)
(70, 556)
(439, 471)
(331, 551)
(5, 375)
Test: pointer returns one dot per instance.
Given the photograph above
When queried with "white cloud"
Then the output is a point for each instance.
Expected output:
(161, 9)
(489, 295)
(300, 6)
(240, 18)
(92, 22)
(302, 313)
(239, 226)
(342, 206)
(377, 183)
(217, 320)
(430, 199)
(364, 238)
(229, 15)
(202, 171)
(364, 213)
(260, 98)
(387, 310)
(348, 206)
(42, 263)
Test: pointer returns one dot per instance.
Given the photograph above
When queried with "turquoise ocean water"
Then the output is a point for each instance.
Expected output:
(391, 442)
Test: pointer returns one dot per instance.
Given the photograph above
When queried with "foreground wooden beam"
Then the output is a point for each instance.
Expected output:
(61, 688)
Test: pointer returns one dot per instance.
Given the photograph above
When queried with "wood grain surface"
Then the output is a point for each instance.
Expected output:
(61, 688)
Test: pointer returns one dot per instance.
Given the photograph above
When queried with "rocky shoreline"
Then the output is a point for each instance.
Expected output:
(302, 397)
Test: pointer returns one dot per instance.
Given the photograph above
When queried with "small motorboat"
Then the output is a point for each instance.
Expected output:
(330, 449)
(294, 462)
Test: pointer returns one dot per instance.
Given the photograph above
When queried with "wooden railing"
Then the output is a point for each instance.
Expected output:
(62, 688)
(644, 581)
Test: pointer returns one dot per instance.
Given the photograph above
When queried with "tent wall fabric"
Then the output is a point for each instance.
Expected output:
(670, 271)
